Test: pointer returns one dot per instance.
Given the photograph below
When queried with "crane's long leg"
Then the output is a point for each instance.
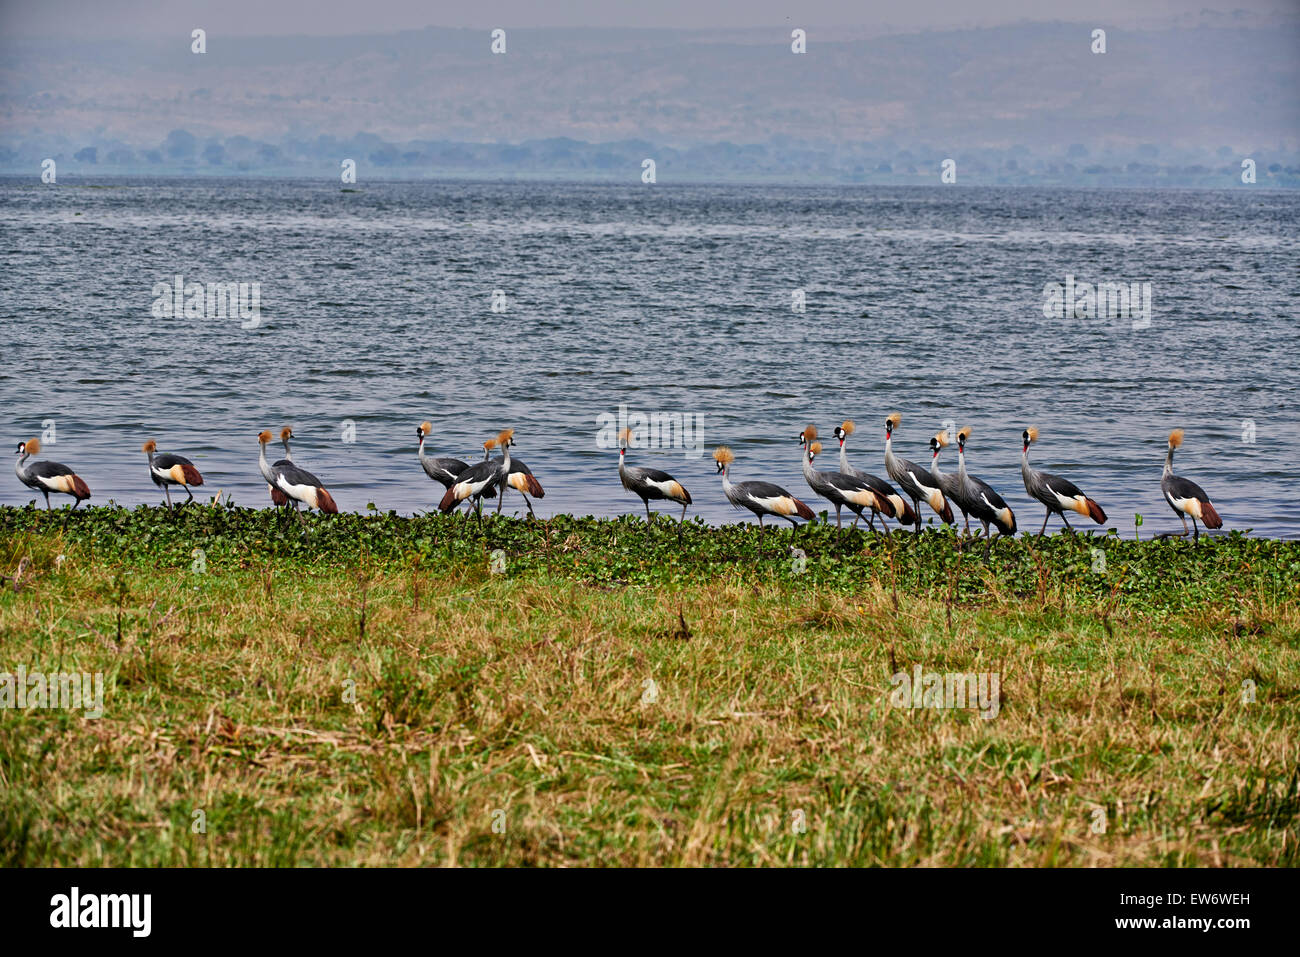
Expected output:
(1045, 518)
(683, 514)
(48, 509)
(838, 523)
(916, 507)
(760, 517)
(646, 503)
(1067, 523)
(167, 492)
(988, 543)
(189, 493)
(529, 504)
(1197, 528)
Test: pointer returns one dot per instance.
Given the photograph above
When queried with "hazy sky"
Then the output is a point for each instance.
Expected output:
(142, 18)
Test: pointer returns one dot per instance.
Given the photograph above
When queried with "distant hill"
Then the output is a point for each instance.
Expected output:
(1026, 103)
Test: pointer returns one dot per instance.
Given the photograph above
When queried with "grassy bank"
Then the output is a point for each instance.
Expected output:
(432, 691)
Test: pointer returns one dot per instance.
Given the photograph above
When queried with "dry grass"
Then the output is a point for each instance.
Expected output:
(510, 721)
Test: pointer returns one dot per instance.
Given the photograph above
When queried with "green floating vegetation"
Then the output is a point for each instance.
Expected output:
(1165, 574)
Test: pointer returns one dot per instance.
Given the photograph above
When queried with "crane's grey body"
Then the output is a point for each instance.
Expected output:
(652, 484)
(915, 482)
(882, 488)
(295, 483)
(979, 498)
(47, 477)
(1057, 494)
(480, 479)
(763, 498)
(160, 471)
(443, 469)
(1187, 498)
(521, 483)
(840, 489)
(949, 484)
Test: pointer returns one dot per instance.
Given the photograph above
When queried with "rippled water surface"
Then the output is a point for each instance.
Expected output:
(376, 310)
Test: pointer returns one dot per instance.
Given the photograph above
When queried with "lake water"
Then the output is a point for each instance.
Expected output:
(376, 313)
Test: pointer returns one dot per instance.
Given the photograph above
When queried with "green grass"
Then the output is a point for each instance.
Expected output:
(379, 695)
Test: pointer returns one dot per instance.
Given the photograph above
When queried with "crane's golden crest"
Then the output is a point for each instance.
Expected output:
(426, 427)
(490, 444)
(942, 439)
(723, 455)
(1033, 433)
(624, 436)
(33, 446)
(810, 433)
(894, 419)
(150, 446)
(848, 427)
(1175, 438)
(263, 437)
(964, 434)
(505, 436)
(815, 448)
(286, 433)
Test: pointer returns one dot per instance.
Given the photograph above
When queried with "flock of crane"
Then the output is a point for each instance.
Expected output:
(865, 495)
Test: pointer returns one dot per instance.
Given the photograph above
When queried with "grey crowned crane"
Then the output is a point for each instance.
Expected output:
(442, 470)
(47, 477)
(978, 498)
(167, 470)
(477, 480)
(761, 498)
(278, 498)
(1058, 494)
(1184, 496)
(518, 476)
(296, 483)
(949, 483)
(836, 487)
(649, 483)
(912, 479)
(899, 509)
